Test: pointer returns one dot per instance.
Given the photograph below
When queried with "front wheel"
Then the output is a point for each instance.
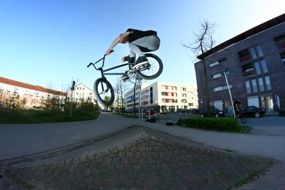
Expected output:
(104, 91)
(154, 69)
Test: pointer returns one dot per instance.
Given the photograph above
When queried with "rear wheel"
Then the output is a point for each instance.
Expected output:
(104, 91)
(154, 69)
(257, 115)
(243, 120)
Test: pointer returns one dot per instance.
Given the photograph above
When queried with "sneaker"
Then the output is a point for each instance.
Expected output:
(141, 62)
(129, 59)
(125, 76)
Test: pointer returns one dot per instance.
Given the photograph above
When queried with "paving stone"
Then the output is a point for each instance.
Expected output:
(148, 163)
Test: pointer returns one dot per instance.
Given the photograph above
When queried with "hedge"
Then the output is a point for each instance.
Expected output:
(217, 124)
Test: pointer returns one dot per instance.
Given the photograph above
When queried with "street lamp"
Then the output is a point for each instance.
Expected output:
(231, 98)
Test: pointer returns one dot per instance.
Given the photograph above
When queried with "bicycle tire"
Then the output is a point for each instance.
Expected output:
(100, 92)
(243, 120)
(153, 59)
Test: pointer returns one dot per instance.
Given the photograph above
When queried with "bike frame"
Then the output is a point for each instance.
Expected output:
(103, 72)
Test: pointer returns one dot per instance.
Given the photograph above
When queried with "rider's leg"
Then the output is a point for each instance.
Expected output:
(141, 45)
(135, 50)
(144, 44)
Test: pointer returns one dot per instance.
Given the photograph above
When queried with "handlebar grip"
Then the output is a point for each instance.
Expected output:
(89, 65)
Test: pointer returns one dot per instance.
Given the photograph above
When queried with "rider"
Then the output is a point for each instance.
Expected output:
(238, 107)
(139, 42)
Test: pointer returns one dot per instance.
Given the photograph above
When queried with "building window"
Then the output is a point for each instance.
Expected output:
(248, 70)
(264, 66)
(217, 62)
(214, 64)
(164, 93)
(267, 83)
(218, 75)
(256, 52)
(220, 88)
(248, 88)
(280, 41)
(253, 101)
(257, 68)
(244, 55)
(282, 55)
(254, 85)
(260, 84)
(250, 54)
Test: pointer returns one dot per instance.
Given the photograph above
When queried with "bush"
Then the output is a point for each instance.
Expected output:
(83, 111)
(218, 124)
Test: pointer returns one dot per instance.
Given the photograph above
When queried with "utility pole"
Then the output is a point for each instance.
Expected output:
(231, 98)
(140, 85)
(135, 98)
(71, 92)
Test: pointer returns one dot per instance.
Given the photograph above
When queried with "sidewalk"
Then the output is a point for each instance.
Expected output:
(262, 145)
(266, 145)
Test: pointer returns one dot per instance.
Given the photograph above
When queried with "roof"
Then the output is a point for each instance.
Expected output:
(80, 83)
(31, 87)
(266, 25)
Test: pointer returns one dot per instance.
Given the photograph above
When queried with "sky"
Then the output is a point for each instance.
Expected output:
(50, 42)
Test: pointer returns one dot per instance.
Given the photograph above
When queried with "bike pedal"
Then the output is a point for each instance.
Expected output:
(140, 67)
(124, 78)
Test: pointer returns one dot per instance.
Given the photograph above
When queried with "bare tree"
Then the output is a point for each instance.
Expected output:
(120, 90)
(203, 42)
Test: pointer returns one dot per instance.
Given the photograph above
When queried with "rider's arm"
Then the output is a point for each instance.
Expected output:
(122, 38)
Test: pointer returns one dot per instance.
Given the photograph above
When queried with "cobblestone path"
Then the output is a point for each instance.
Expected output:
(151, 161)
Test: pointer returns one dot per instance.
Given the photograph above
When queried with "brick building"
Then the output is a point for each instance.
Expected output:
(254, 63)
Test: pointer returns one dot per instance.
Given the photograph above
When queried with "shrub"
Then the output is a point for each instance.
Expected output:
(83, 111)
(218, 124)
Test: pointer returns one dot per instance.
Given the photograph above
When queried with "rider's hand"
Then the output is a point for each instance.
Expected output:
(123, 59)
(108, 52)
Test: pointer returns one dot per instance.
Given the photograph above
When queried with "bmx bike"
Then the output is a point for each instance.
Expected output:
(103, 88)
(241, 117)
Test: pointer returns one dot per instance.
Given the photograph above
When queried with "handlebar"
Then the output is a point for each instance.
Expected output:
(103, 58)
(89, 65)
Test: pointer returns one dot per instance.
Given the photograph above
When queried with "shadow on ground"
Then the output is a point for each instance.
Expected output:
(134, 158)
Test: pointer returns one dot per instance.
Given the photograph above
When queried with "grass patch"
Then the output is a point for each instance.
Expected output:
(84, 111)
(216, 124)
(128, 115)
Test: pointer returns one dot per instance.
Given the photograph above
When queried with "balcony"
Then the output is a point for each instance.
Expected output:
(249, 73)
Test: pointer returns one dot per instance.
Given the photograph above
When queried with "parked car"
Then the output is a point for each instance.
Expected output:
(211, 112)
(282, 111)
(253, 111)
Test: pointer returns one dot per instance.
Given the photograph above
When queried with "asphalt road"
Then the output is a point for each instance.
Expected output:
(18, 140)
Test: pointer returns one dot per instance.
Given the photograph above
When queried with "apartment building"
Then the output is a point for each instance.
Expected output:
(162, 96)
(254, 64)
(18, 94)
(81, 93)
